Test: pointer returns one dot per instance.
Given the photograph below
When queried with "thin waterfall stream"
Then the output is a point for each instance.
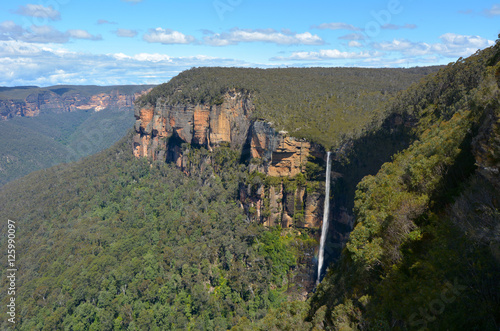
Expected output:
(324, 228)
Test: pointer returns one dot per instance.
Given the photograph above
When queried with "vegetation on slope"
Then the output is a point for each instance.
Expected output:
(111, 243)
(24, 150)
(414, 259)
(34, 143)
(323, 105)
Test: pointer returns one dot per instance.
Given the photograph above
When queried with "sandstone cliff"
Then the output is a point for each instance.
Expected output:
(28, 102)
(162, 129)
(203, 125)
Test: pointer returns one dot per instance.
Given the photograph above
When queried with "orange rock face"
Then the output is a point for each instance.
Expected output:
(258, 145)
(289, 158)
(221, 128)
(102, 101)
(146, 116)
(281, 154)
(205, 125)
(201, 125)
(42, 100)
(212, 125)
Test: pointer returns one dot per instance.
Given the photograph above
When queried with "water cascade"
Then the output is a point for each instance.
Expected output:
(324, 228)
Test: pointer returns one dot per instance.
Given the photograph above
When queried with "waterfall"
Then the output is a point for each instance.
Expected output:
(324, 228)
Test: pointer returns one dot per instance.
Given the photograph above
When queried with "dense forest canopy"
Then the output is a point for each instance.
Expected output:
(111, 242)
(427, 223)
(323, 105)
(34, 143)
(44, 126)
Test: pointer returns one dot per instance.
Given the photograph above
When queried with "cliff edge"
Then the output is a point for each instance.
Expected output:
(31, 101)
(162, 129)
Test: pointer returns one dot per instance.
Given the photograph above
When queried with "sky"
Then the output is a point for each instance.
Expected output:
(115, 42)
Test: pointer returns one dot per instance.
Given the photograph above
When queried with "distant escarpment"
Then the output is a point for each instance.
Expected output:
(31, 101)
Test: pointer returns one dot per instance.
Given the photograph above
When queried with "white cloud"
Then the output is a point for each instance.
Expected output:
(456, 40)
(236, 36)
(493, 11)
(10, 26)
(143, 57)
(152, 57)
(490, 12)
(10, 30)
(383, 62)
(82, 34)
(44, 34)
(126, 33)
(327, 54)
(167, 36)
(399, 45)
(451, 45)
(17, 48)
(39, 11)
(336, 26)
(24, 63)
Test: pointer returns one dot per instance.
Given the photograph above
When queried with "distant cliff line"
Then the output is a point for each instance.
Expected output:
(29, 101)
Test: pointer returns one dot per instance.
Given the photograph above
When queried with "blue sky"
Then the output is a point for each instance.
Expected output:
(50, 42)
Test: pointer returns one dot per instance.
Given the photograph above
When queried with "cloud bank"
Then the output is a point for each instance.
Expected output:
(23, 63)
(39, 11)
(42, 34)
(451, 45)
(236, 36)
(167, 36)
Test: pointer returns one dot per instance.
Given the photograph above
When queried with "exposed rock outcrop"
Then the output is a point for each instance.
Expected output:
(162, 129)
(292, 206)
(43, 100)
(204, 125)
(281, 154)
